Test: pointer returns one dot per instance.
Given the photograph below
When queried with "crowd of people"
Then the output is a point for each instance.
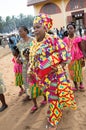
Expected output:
(40, 66)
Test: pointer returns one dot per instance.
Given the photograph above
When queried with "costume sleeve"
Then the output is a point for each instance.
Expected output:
(64, 54)
(59, 55)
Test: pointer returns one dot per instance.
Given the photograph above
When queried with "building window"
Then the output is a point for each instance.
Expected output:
(50, 8)
(75, 4)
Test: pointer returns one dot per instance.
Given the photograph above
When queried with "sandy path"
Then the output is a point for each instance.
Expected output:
(17, 116)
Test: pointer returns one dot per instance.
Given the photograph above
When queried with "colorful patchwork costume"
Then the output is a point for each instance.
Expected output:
(45, 55)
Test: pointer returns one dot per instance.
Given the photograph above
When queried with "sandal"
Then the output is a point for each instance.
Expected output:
(43, 102)
(74, 89)
(33, 109)
(81, 87)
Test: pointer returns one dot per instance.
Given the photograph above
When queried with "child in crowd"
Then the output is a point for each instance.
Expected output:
(18, 69)
(35, 91)
(2, 97)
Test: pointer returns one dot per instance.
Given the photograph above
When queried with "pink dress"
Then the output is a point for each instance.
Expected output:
(73, 47)
(17, 66)
(75, 66)
(18, 72)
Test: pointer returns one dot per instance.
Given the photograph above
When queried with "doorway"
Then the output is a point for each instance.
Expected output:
(78, 18)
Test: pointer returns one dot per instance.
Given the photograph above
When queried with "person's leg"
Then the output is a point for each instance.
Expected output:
(76, 85)
(22, 91)
(26, 85)
(35, 102)
(2, 98)
(45, 97)
(44, 102)
(75, 88)
(54, 115)
(21, 88)
(4, 105)
(81, 86)
(81, 77)
(77, 74)
(35, 107)
(52, 128)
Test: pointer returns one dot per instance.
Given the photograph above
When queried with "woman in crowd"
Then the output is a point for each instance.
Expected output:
(75, 66)
(22, 45)
(48, 55)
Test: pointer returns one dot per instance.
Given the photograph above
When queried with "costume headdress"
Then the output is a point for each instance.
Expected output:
(45, 20)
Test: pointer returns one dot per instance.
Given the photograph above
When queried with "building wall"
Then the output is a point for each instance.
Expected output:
(60, 19)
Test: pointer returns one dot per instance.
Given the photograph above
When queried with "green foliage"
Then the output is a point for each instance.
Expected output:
(12, 23)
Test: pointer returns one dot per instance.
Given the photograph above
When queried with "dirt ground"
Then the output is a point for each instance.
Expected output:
(17, 116)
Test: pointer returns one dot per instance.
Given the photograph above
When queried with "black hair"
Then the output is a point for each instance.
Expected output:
(11, 41)
(26, 51)
(15, 49)
(71, 23)
(50, 32)
(25, 29)
(66, 33)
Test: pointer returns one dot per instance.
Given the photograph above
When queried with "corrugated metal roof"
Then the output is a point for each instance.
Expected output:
(32, 2)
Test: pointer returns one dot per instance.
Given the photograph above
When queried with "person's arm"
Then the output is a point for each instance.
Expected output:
(19, 60)
(64, 54)
(59, 56)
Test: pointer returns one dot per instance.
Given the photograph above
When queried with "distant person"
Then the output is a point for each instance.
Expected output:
(1, 40)
(50, 32)
(80, 31)
(12, 41)
(57, 31)
(61, 33)
(65, 34)
(2, 97)
(18, 38)
(84, 36)
(83, 44)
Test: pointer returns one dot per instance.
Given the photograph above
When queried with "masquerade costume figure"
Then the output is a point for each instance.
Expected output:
(47, 55)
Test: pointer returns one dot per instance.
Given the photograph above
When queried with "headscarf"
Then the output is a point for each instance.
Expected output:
(45, 20)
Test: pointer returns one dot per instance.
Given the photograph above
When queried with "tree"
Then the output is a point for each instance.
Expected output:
(12, 23)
